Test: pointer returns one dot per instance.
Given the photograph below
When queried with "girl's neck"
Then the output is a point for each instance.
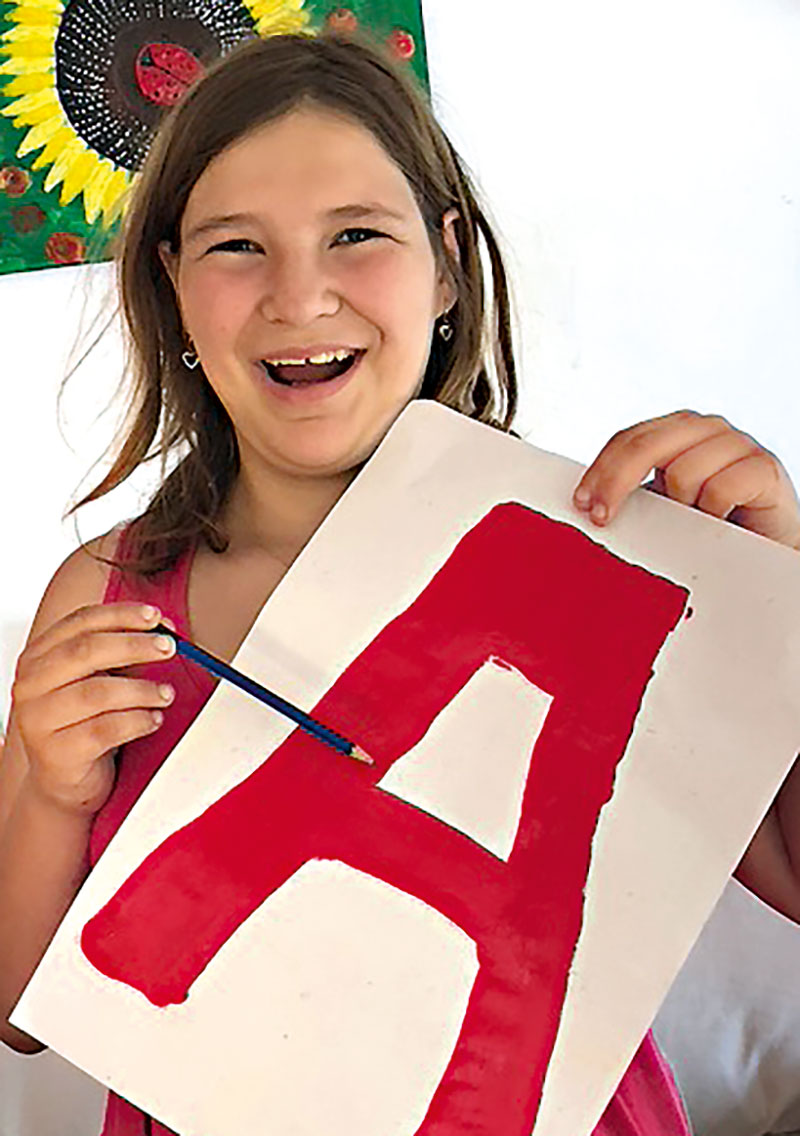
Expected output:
(278, 513)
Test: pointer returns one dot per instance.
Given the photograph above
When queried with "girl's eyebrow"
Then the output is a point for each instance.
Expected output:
(224, 221)
(366, 211)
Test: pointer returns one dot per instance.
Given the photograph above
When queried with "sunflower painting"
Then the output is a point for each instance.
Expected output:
(83, 84)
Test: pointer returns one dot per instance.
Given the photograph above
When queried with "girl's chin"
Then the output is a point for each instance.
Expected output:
(327, 449)
(324, 461)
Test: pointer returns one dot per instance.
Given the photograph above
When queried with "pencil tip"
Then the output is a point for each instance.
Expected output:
(361, 755)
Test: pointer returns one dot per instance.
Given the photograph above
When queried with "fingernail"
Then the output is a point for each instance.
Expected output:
(157, 717)
(599, 513)
(150, 613)
(582, 497)
(166, 692)
(168, 623)
(165, 644)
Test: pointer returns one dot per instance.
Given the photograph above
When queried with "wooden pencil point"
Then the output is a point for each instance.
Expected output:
(361, 755)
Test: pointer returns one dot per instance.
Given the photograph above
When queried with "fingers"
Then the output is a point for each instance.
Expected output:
(691, 476)
(75, 728)
(101, 734)
(631, 454)
(702, 461)
(755, 482)
(72, 713)
(60, 660)
(96, 617)
(100, 695)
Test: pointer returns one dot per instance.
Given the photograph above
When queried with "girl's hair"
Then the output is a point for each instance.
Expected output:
(171, 407)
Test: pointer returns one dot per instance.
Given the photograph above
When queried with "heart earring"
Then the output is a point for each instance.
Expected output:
(445, 329)
(190, 358)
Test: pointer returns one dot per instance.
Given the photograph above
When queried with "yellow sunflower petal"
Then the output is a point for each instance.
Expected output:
(95, 188)
(29, 17)
(40, 134)
(30, 49)
(43, 39)
(79, 169)
(273, 17)
(53, 147)
(261, 9)
(71, 152)
(27, 84)
(113, 196)
(37, 13)
(287, 25)
(27, 66)
(46, 28)
(53, 8)
(34, 108)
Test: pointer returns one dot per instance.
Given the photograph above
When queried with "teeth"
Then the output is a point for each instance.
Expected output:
(325, 357)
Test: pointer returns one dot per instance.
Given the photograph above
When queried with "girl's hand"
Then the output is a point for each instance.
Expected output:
(701, 460)
(72, 708)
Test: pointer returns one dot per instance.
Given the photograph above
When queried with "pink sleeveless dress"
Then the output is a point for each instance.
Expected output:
(646, 1102)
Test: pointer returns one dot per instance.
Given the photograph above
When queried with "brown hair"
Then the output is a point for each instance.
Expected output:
(170, 407)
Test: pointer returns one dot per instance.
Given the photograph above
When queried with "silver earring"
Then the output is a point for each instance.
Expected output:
(446, 329)
(190, 359)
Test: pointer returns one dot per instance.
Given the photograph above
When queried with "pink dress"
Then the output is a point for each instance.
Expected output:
(646, 1102)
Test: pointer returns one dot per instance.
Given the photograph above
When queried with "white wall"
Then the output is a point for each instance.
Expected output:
(46, 448)
(643, 161)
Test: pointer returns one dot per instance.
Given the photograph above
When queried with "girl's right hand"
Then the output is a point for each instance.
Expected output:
(74, 710)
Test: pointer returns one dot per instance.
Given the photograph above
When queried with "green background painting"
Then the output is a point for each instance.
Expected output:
(37, 231)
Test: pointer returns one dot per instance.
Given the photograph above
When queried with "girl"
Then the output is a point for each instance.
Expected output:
(300, 259)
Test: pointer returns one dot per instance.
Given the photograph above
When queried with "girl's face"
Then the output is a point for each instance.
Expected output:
(307, 282)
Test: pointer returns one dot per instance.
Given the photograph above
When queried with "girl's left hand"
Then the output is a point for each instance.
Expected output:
(701, 460)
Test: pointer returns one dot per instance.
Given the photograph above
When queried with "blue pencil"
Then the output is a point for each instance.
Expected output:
(224, 670)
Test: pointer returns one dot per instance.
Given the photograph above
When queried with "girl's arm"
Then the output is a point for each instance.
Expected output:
(771, 865)
(43, 850)
(43, 860)
(702, 461)
(70, 711)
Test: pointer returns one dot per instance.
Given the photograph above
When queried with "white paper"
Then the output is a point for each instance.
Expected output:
(336, 1006)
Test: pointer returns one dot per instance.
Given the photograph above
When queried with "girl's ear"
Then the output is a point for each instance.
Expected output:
(453, 254)
(449, 234)
(169, 258)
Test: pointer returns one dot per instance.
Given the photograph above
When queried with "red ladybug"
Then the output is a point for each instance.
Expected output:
(164, 71)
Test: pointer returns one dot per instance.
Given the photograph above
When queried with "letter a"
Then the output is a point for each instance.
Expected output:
(580, 623)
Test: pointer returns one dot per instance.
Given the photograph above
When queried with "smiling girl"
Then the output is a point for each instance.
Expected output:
(301, 258)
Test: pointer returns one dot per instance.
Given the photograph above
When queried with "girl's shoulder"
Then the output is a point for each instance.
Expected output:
(79, 581)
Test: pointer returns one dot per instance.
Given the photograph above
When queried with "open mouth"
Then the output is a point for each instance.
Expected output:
(304, 372)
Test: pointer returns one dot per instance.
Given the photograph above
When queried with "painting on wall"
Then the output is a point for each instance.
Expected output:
(572, 744)
(84, 83)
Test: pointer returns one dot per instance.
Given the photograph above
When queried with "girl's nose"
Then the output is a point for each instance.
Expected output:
(298, 291)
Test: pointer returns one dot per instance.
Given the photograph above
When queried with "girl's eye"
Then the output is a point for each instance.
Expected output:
(235, 244)
(357, 236)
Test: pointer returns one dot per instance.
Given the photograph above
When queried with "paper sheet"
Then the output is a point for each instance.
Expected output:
(576, 732)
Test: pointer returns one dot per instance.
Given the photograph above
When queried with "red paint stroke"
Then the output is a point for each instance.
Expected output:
(577, 621)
